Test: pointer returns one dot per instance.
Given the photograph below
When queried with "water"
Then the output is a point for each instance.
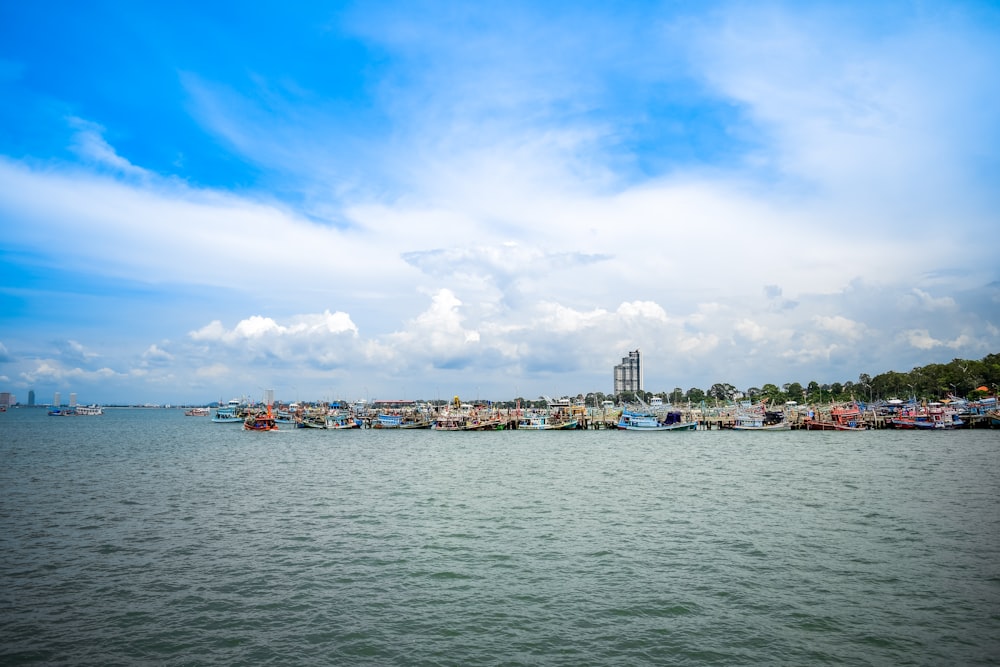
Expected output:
(144, 536)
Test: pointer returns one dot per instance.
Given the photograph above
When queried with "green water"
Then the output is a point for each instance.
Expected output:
(148, 537)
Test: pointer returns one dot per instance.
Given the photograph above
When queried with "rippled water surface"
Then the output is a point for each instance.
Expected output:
(144, 536)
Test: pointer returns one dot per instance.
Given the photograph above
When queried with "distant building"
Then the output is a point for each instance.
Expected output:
(628, 374)
(6, 399)
(31, 398)
(72, 400)
(56, 400)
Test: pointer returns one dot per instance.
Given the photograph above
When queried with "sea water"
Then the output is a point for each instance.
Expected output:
(148, 537)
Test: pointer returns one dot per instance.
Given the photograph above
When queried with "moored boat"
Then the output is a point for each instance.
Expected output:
(544, 422)
(197, 412)
(933, 417)
(231, 413)
(760, 419)
(401, 421)
(843, 418)
(341, 421)
(647, 421)
(89, 410)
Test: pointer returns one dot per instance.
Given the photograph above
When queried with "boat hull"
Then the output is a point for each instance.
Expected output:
(683, 426)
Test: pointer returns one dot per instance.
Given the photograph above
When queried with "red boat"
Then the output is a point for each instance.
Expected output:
(844, 418)
(260, 422)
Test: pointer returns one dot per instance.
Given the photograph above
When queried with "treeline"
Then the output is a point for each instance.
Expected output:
(966, 378)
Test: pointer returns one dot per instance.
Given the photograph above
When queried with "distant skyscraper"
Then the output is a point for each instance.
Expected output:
(56, 399)
(628, 374)
(268, 397)
(6, 399)
(72, 400)
(31, 397)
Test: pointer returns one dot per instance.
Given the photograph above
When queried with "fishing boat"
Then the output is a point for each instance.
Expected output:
(61, 412)
(231, 413)
(545, 422)
(262, 421)
(461, 421)
(648, 421)
(312, 420)
(341, 421)
(932, 418)
(197, 412)
(401, 421)
(843, 418)
(760, 419)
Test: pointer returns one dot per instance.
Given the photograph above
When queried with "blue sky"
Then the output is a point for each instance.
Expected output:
(423, 199)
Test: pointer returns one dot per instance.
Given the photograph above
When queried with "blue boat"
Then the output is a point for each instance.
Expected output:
(647, 421)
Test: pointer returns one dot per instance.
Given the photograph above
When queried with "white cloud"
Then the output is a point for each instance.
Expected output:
(506, 217)
(841, 326)
(90, 145)
(751, 330)
(156, 355)
(924, 301)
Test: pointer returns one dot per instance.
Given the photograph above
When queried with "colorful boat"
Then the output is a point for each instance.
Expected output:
(263, 421)
(648, 421)
(844, 418)
(934, 417)
(402, 421)
(341, 421)
(197, 412)
(546, 422)
(231, 413)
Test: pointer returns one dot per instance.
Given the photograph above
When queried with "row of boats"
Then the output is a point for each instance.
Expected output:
(741, 417)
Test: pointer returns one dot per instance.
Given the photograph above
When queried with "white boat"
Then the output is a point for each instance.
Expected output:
(89, 410)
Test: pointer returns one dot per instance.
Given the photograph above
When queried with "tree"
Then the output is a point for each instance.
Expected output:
(722, 391)
(695, 395)
(794, 392)
(772, 394)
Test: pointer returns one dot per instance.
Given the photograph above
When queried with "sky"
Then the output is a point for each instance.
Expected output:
(403, 200)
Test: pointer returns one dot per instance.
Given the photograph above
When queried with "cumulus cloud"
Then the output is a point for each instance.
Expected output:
(259, 327)
(918, 298)
(840, 325)
(156, 356)
(53, 372)
(534, 211)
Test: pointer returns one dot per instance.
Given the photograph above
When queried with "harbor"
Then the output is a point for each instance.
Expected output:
(565, 414)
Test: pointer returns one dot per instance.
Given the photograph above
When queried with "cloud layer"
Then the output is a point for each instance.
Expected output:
(499, 202)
